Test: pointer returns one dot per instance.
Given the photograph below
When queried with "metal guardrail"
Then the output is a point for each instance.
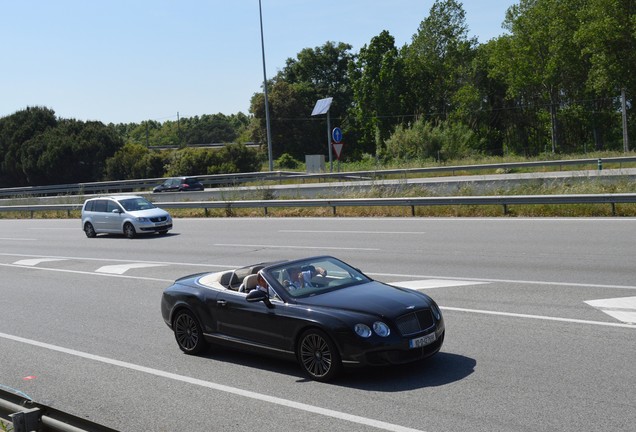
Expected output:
(27, 416)
(279, 176)
(502, 200)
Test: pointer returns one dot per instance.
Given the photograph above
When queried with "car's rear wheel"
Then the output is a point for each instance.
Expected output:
(89, 230)
(318, 355)
(129, 230)
(188, 333)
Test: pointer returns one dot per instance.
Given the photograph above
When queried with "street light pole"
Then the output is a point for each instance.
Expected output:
(269, 131)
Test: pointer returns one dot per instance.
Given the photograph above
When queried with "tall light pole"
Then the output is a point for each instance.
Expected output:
(269, 131)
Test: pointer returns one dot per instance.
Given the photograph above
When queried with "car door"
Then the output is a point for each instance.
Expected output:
(113, 217)
(255, 322)
(99, 215)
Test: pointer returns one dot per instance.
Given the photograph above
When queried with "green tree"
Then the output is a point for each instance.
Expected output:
(607, 36)
(315, 74)
(379, 86)
(438, 60)
(135, 161)
(540, 60)
(15, 131)
(72, 152)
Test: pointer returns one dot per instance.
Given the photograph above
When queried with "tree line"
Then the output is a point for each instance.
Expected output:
(561, 79)
(551, 84)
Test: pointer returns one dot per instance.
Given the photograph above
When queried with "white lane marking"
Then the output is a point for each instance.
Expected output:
(352, 232)
(623, 308)
(434, 283)
(123, 268)
(222, 266)
(294, 247)
(219, 387)
(567, 284)
(87, 273)
(393, 275)
(17, 239)
(36, 261)
(538, 317)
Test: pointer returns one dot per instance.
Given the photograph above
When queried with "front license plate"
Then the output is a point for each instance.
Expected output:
(422, 341)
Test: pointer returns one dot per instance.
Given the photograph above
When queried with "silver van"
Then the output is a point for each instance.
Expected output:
(123, 214)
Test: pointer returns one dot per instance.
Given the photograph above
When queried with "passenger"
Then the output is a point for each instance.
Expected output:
(301, 278)
(308, 273)
(261, 284)
(295, 279)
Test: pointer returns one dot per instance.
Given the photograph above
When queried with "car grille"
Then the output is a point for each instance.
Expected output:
(415, 322)
(158, 219)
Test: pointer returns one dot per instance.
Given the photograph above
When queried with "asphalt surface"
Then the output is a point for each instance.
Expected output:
(81, 330)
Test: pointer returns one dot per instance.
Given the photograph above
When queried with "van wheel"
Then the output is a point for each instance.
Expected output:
(129, 230)
(89, 230)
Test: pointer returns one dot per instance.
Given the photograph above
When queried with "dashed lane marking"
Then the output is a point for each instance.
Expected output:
(36, 261)
(622, 308)
(434, 283)
(123, 268)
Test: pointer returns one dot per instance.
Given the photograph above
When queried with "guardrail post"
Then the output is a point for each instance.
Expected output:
(206, 211)
(265, 209)
(613, 209)
(26, 421)
(412, 210)
(505, 209)
(334, 210)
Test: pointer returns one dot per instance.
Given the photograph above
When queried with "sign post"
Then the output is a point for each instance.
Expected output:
(322, 107)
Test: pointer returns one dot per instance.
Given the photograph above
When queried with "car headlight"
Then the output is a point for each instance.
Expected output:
(362, 330)
(381, 329)
(143, 219)
(436, 312)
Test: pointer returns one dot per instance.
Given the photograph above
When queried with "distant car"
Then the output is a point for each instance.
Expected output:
(123, 214)
(179, 184)
(318, 311)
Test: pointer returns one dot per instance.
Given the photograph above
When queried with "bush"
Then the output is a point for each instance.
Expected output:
(287, 161)
(423, 140)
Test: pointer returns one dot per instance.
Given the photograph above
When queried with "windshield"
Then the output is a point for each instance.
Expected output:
(315, 276)
(135, 204)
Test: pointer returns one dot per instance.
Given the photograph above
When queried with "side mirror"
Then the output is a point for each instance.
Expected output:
(256, 296)
(116, 211)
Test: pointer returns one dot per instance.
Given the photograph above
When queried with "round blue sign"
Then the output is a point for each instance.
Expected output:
(336, 134)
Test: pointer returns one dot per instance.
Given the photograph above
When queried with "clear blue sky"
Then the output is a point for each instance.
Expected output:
(133, 60)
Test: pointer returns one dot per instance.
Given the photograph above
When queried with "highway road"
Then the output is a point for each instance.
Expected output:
(540, 316)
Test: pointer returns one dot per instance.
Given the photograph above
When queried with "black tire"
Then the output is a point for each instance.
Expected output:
(318, 356)
(89, 230)
(129, 230)
(188, 333)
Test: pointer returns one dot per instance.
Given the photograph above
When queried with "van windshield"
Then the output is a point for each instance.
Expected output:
(135, 204)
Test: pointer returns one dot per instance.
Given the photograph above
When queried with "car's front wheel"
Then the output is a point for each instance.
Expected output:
(89, 230)
(318, 355)
(188, 333)
(129, 230)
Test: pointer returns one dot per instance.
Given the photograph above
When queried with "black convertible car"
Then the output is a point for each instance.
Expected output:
(318, 311)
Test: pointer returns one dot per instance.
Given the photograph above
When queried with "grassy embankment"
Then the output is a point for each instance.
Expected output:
(589, 185)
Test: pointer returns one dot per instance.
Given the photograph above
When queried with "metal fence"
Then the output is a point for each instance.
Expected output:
(505, 201)
(280, 176)
(27, 416)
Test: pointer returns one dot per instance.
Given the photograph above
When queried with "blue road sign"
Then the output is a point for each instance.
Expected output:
(336, 134)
